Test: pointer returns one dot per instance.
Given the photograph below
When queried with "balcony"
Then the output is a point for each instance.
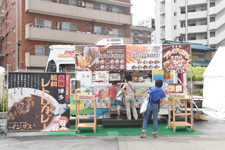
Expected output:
(197, 15)
(32, 60)
(58, 35)
(74, 12)
(196, 2)
(197, 29)
(182, 16)
(219, 7)
(182, 3)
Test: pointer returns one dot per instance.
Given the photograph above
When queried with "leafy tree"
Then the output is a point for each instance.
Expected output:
(1, 104)
(197, 73)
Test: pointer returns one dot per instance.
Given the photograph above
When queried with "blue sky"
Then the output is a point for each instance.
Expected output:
(142, 9)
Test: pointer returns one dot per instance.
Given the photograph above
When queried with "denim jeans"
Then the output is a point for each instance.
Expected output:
(154, 110)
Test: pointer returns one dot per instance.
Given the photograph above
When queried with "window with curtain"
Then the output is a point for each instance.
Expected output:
(67, 26)
(100, 30)
(70, 2)
(41, 50)
(118, 9)
(118, 32)
(100, 6)
(43, 23)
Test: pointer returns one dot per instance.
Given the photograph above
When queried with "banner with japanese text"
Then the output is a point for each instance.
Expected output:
(176, 57)
(38, 101)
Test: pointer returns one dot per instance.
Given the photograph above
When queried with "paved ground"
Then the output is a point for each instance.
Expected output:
(213, 139)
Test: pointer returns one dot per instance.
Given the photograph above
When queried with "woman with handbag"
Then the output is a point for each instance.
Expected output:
(130, 97)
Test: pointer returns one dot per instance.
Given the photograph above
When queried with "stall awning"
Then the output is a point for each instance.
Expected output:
(202, 63)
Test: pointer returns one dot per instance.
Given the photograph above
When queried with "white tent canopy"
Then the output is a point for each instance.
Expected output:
(214, 85)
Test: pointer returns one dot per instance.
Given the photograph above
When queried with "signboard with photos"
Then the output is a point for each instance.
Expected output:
(38, 101)
(133, 57)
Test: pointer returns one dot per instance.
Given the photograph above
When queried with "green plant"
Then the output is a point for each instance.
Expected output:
(196, 92)
(1, 104)
(197, 73)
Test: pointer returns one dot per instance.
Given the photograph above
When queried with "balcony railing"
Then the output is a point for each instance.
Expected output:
(71, 30)
(88, 7)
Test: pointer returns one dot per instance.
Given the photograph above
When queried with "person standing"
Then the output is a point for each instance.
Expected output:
(119, 101)
(155, 94)
(130, 97)
(112, 94)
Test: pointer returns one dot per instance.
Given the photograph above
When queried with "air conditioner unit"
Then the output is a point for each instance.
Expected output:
(7, 21)
(7, 43)
(80, 3)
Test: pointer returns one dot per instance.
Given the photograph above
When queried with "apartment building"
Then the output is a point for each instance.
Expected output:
(29, 27)
(199, 21)
(141, 35)
(148, 22)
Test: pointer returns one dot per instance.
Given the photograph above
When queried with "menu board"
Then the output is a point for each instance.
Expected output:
(100, 58)
(38, 101)
(114, 77)
(102, 76)
(176, 56)
(144, 57)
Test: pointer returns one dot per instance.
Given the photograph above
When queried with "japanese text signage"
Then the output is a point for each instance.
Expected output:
(38, 101)
(177, 57)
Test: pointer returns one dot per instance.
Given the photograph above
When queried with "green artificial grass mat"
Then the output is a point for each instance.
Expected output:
(124, 131)
(84, 111)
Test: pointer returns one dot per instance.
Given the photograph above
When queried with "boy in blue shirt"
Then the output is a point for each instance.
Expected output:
(155, 94)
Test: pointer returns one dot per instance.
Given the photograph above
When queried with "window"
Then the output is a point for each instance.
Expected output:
(175, 27)
(182, 24)
(99, 6)
(212, 19)
(199, 55)
(212, 34)
(118, 9)
(100, 30)
(175, 13)
(67, 26)
(43, 23)
(118, 32)
(41, 50)
(66, 68)
(14, 54)
(212, 4)
(51, 66)
(175, 1)
(70, 2)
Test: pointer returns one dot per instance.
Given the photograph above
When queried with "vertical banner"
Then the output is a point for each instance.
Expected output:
(100, 58)
(144, 57)
(176, 57)
(38, 102)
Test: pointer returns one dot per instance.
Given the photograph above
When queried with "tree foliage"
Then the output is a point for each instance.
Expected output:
(197, 73)
(1, 104)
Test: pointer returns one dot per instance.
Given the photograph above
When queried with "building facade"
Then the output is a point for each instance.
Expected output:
(141, 35)
(29, 27)
(199, 21)
(148, 22)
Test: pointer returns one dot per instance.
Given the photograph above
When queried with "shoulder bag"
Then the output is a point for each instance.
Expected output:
(132, 90)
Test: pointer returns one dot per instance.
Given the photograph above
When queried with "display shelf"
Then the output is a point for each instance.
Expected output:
(83, 125)
(174, 124)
